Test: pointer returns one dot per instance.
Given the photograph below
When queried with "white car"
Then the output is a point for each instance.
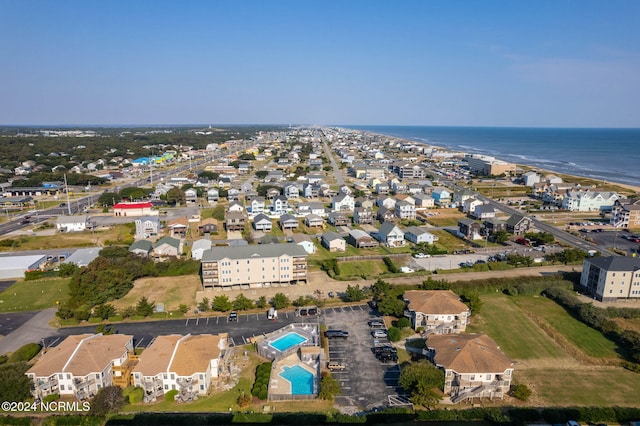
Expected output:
(379, 333)
(421, 256)
(406, 270)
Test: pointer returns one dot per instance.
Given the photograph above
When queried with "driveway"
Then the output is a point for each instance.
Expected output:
(34, 327)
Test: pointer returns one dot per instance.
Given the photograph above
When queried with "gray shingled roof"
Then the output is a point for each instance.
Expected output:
(252, 251)
(614, 263)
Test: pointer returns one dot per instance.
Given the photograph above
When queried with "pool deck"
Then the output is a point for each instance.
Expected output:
(280, 385)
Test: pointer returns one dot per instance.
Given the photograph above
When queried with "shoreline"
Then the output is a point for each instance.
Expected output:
(543, 171)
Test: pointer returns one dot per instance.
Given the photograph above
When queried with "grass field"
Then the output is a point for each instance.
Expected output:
(448, 241)
(602, 387)
(369, 268)
(34, 295)
(444, 221)
(588, 340)
(172, 291)
(522, 339)
(119, 234)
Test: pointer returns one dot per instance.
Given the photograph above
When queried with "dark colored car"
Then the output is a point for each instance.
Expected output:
(233, 316)
(336, 334)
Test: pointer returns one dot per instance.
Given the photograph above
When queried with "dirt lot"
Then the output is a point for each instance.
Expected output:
(172, 291)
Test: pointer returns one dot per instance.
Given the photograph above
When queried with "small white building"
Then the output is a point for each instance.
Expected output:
(71, 223)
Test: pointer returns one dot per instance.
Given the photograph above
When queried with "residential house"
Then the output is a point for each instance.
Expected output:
(625, 214)
(178, 227)
(244, 168)
(385, 215)
(611, 278)
(261, 222)
(315, 178)
(262, 266)
(484, 211)
(288, 222)
(418, 235)
(304, 241)
(386, 202)
(202, 182)
(208, 226)
(310, 190)
(391, 235)
(342, 202)
(338, 219)
(141, 248)
(441, 196)
(273, 193)
(437, 311)
(491, 226)
(81, 365)
(72, 223)
(167, 247)
(462, 195)
(424, 201)
(360, 239)
(363, 215)
(414, 188)
(147, 227)
(257, 205)
(280, 205)
(518, 224)
(233, 194)
(313, 221)
(333, 242)
(474, 366)
(213, 195)
(235, 221)
(530, 178)
(382, 188)
(198, 248)
(469, 205)
(398, 187)
(405, 210)
(364, 202)
(186, 364)
(291, 191)
(191, 197)
(470, 229)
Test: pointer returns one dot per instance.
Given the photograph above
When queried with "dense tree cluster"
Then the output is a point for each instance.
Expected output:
(423, 382)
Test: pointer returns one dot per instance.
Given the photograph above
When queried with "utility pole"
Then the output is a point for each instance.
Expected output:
(66, 188)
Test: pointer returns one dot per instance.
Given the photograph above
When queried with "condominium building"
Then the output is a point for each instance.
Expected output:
(81, 365)
(611, 278)
(625, 214)
(253, 266)
(183, 363)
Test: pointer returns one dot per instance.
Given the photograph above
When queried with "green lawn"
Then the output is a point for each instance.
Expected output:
(448, 241)
(369, 268)
(599, 387)
(588, 340)
(34, 295)
(514, 332)
(444, 221)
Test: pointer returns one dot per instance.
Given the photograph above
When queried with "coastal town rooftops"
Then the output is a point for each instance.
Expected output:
(253, 251)
(615, 263)
(81, 354)
(468, 353)
(434, 302)
(194, 353)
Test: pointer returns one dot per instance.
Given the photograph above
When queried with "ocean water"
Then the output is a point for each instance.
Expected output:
(606, 154)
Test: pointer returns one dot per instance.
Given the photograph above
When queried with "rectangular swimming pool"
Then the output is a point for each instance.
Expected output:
(287, 341)
(301, 380)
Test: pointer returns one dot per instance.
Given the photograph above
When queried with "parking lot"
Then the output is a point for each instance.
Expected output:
(366, 382)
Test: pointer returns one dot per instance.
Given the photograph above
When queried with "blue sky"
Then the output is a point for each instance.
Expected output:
(470, 63)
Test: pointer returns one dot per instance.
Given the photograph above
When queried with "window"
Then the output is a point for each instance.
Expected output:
(61, 387)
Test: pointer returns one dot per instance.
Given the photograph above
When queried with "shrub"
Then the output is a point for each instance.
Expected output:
(403, 323)
(25, 353)
(244, 400)
(394, 334)
(390, 265)
(521, 392)
(133, 395)
(50, 398)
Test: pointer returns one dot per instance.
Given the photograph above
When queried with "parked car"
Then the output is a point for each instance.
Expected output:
(376, 324)
(379, 333)
(233, 316)
(387, 356)
(333, 365)
(421, 256)
(336, 334)
(384, 349)
(406, 270)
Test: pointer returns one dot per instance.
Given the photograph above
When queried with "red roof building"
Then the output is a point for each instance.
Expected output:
(134, 209)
